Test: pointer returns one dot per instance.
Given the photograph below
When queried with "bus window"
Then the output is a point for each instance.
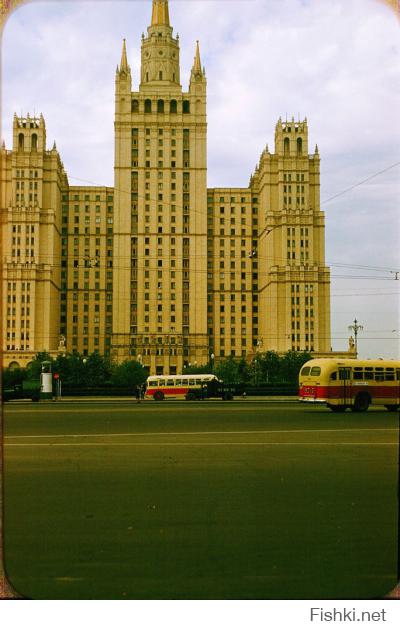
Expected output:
(315, 371)
(198, 381)
(178, 381)
(333, 376)
(369, 374)
(170, 382)
(398, 375)
(191, 381)
(161, 383)
(379, 376)
(389, 376)
(344, 374)
(358, 373)
(305, 371)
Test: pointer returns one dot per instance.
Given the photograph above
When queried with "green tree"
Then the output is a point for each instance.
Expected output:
(98, 369)
(71, 368)
(228, 371)
(269, 367)
(244, 373)
(291, 364)
(197, 369)
(128, 374)
(76, 369)
(13, 377)
(35, 368)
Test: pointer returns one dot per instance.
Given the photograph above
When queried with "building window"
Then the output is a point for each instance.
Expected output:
(147, 106)
(299, 146)
(286, 146)
(160, 104)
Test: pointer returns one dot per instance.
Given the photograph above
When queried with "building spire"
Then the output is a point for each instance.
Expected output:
(124, 60)
(160, 13)
(197, 63)
(197, 73)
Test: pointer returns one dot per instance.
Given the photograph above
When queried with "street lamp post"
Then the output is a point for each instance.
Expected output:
(212, 357)
(256, 359)
(355, 328)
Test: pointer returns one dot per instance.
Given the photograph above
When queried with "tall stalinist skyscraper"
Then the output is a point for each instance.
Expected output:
(160, 268)
(160, 213)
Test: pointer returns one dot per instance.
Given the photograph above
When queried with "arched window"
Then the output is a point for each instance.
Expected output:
(160, 75)
(160, 106)
(14, 365)
(21, 142)
(186, 107)
(135, 106)
(34, 142)
(173, 107)
(286, 146)
(147, 106)
(299, 146)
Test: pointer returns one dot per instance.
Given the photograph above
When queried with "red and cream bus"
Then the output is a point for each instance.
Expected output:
(351, 383)
(187, 386)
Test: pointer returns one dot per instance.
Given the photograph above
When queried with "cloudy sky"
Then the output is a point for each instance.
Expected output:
(335, 61)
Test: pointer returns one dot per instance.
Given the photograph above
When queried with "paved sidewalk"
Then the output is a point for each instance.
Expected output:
(132, 399)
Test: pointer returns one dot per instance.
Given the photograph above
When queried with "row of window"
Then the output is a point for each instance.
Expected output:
(289, 188)
(299, 146)
(233, 200)
(287, 177)
(21, 142)
(25, 198)
(21, 174)
(24, 323)
(160, 106)
(21, 185)
(85, 197)
(288, 201)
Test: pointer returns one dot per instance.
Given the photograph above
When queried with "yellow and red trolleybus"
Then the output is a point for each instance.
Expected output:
(186, 386)
(351, 383)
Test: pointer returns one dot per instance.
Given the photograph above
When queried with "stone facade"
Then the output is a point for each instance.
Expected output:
(160, 268)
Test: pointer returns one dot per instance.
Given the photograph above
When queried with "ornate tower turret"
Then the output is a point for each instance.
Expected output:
(160, 51)
(29, 134)
(197, 74)
(291, 138)
(123, 84)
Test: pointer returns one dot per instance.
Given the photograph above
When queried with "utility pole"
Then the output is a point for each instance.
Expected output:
(355, 328)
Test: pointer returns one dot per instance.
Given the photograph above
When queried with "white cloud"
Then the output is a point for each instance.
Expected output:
(335, 62)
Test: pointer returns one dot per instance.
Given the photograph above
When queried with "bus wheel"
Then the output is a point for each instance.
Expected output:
(391, 407)
(158, 395)
(337, 408)
(361, 402)
(190, 396)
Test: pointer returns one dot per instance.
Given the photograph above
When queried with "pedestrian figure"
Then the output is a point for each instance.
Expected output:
(244, 395)
(137, 394)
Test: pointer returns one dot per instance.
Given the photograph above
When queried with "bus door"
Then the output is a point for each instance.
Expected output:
(345, 384)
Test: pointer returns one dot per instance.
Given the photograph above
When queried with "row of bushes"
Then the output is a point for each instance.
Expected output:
(266, 371)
